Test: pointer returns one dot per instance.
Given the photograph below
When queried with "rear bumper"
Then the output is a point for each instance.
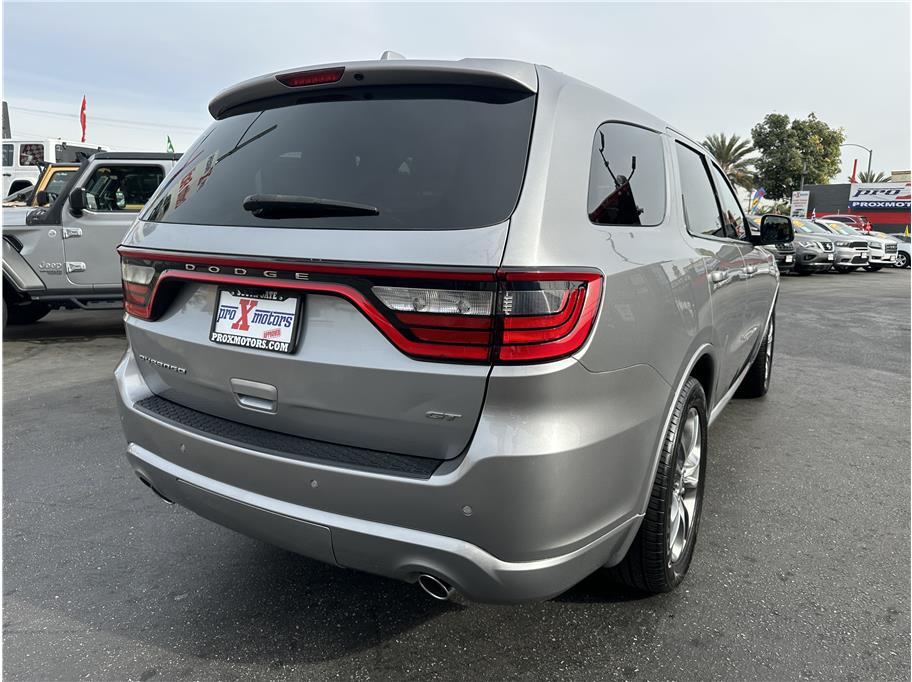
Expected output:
(539, 521)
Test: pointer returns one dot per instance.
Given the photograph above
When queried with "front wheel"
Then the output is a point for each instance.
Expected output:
(661, 552)
(902, 260)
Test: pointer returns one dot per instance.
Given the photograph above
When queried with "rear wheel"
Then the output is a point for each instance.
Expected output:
(756, 381)
(661, 552)
(27, 313)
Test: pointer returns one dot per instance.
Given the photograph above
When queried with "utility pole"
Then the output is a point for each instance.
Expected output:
(804, 169)
(860, 146)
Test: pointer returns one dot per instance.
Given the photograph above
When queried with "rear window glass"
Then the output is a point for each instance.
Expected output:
(426, 158)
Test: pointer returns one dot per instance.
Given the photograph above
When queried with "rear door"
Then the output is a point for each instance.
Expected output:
(350, 301)
(115, 193)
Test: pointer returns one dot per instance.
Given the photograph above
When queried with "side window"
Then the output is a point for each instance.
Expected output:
(626, 176)
(122, 188)
(701, 212)
(732, 213)
(7, 155)
(31, 154)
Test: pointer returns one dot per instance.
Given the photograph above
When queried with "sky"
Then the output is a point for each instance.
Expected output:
(149, 70)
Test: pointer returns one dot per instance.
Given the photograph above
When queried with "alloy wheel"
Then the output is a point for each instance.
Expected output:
(686, 489)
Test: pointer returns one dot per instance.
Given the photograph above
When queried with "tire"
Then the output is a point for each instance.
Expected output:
(757, 380)
(27, 313)
(873, 268)
(842, 269)
(803, 273)
(657, 561)
(902, 260)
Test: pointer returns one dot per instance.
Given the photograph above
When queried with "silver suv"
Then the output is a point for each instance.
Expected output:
(460, 323)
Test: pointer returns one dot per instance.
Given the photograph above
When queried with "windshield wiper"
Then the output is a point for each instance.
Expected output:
(278, 206)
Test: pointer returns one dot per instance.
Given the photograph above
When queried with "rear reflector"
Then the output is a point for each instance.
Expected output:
(503, 316)
(317, 77)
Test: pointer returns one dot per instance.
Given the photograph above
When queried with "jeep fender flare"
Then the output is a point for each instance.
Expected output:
(17, 273)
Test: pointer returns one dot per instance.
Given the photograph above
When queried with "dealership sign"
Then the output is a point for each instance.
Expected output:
(800, 204)
(889, 195)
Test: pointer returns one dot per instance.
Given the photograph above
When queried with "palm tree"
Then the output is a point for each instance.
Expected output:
(732, 154)
(871, 176)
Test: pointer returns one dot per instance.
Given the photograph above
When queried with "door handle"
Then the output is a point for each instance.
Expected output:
(751, 270)
(7, 175)
(70, 232)
(722, 277)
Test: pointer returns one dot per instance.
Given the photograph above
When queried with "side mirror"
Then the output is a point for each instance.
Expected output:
(775, 229)
(42, 198)
(78, 200)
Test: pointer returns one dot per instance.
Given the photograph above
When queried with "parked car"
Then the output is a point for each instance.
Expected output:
(815, 251)
(903, 252)
(63, 254)
(882, 251)
(859, 222)
(336, 348)
(22, 159)
(784, 252)
(852, 251)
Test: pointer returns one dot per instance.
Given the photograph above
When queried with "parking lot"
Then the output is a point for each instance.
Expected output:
(802, 568)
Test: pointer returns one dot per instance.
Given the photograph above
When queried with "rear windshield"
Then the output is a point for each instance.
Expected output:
(426, 158)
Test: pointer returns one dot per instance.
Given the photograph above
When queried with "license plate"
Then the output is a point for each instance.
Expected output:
(788, 259)
(864, 255)
(264, 319)
(829, 256)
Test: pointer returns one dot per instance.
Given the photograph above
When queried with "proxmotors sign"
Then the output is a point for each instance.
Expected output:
(888, 195)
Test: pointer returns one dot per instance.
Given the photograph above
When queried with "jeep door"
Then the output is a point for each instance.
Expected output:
(724, 258)
(115, 192)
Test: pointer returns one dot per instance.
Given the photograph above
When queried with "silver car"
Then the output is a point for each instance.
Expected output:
(462, 323)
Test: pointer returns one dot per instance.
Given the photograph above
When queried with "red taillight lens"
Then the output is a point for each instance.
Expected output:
(508, 316)
(138, 281)
(317, 77)
(546, 315)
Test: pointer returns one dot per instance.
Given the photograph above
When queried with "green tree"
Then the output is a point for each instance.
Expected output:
(732, 153)
(787, 147)
(872, 176)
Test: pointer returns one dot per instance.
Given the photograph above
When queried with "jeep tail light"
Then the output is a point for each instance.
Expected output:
(468, 315)
(137, 288)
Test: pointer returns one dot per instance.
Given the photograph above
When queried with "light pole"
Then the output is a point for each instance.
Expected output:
(869, 151)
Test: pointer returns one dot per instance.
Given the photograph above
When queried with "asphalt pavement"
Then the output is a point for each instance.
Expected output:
(801, 568)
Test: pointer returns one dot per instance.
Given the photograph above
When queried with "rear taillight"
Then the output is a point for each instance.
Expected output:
(507, 316)
(137, 286)
(546, 315)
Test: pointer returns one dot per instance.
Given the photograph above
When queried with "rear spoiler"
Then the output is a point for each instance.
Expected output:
(492, 73)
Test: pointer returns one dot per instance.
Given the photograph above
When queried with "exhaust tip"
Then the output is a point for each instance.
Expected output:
(146, 482)
(438, 589)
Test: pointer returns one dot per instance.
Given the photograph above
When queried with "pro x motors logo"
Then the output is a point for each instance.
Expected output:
(889, 195)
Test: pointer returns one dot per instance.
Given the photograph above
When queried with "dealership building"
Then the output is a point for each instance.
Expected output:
(886, 204)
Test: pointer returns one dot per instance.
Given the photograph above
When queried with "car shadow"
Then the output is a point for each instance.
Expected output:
(68, 325)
